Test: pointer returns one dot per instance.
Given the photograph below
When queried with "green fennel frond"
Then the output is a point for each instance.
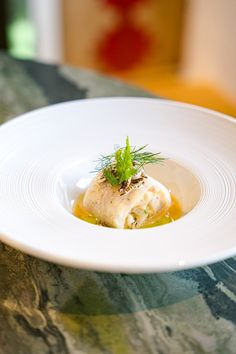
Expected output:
(125, 162)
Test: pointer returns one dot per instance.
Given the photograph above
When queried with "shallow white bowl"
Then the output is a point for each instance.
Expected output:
(45, 161)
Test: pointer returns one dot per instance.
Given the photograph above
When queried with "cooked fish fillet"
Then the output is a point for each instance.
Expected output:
(129, 210)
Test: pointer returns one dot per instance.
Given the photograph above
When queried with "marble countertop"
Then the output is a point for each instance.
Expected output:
(47, 308)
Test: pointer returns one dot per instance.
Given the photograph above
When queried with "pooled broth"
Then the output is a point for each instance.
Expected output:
(160, 218)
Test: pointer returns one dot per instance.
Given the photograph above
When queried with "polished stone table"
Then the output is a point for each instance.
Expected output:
(47, 308)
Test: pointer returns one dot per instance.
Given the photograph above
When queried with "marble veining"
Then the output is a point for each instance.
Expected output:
(47, 308)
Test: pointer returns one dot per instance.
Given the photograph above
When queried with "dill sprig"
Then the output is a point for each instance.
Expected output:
(125, 163)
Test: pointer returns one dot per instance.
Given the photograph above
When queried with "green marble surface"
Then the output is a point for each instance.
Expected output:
(46, 308)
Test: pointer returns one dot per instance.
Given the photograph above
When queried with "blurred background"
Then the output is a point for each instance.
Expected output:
(180, 49)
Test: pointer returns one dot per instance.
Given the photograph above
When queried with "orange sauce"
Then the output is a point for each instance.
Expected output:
(174, 213)
(81, 213)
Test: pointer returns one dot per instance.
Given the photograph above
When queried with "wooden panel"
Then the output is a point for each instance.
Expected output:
(88, 24)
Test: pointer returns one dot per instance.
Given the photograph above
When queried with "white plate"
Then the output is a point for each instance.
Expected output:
(45, 161)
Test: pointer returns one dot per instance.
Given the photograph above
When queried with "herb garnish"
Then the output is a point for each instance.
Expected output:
(126, 162)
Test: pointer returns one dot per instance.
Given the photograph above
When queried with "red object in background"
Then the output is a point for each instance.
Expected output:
(126, 45)
(124, 48)
(123, 4)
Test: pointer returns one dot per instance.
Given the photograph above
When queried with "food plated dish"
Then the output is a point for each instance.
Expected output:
(123, 196)
(46, 161)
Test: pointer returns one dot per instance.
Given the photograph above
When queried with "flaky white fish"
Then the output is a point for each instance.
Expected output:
(129, 210)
